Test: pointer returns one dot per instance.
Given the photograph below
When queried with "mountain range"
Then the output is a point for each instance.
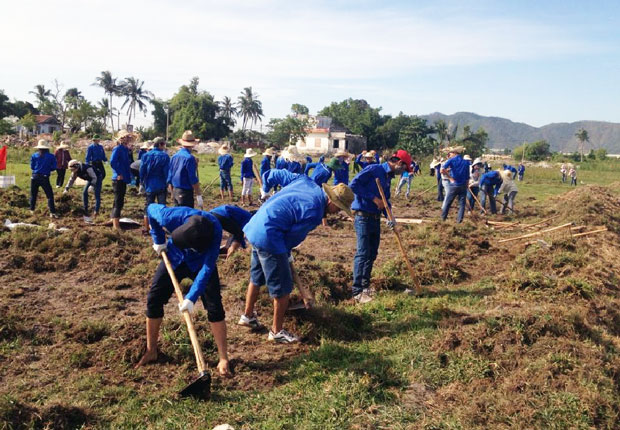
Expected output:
(504, 133)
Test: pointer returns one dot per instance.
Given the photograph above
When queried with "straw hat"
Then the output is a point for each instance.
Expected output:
(457, 149)
(341, 153)
(466, 157)
(73, 163)
(188, 139)
(505, 174)
(371, 154)
(158, 141)
(224, 149)
(146, 145)
(341, 195)
(62, 145)
(269, 152)
(291, 153)
(42, 144)
(249, 153)
(126, 134)
(476, 161)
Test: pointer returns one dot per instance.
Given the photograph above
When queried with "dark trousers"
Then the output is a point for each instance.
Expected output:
(440, 190)
(471, 192)
(488, 194)
(42, 181)
(60, 177)
(119, 188)
(162, 289)
(182, 197)
(368, 231)
(159, 196)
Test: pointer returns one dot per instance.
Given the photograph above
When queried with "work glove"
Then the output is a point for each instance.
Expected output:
(200, 201)
(159, 248)
(263, 195)
(65, 191)
(187, 305)
(290, 258)
(390, 224)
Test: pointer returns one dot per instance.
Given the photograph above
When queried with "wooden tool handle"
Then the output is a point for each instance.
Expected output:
(476, 199)
(200, 361)
(258, 178)
(306, 295)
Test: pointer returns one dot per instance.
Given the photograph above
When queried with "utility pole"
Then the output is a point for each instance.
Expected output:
(167, 119)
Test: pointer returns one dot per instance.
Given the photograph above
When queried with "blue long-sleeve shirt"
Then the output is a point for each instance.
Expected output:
(361, 160)
(294, 167)
(321, 174)
(459, 170)
(341, 176)
(281, 163)
(42, 164)
(120, 163)
(511, 168)
(246, 168)
(276, 177)
(182, 172)
(154, 170)
(95, 152)
(521, 169)
(141, 153)
(309, 167)
(284, 221)
(236, 215)
(364, 187)
(265, 165)
(490, 180)
(162, 217)
(225, 162)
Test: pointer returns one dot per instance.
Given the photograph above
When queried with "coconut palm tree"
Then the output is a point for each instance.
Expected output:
(41, 94)
(582, 136)
(135, 97)
(227, 109)
(249, 107)
(72, 97)
(441, 128)
(104, 111)
(111, 88)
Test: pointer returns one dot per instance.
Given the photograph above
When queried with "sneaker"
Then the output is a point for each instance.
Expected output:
(362, 298)
(53, 215)
(249, 322)
(282, 336)
(369, 291)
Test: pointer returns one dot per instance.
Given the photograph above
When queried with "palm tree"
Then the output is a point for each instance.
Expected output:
(249, 107)
(582, 136)
(441, 129)
(111, 88)
(40, 93)
(135, 97)
(104, 110)
(227, 109)
(72, 97)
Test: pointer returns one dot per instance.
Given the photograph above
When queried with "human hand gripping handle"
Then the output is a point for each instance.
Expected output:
(187, 305)
(200, 201)
(159, 248)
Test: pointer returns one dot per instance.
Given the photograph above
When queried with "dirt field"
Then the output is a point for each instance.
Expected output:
(504, 336)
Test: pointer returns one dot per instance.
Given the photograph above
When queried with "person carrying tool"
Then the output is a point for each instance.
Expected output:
(42, 164)
(265, 164)
(233, 219)
(225, 162)
(183, 174)
(247, 176)
(192, 248)
(281, 224)
(436, 165)
(457, 170)
(86, 172)
(276, 178)
(121, 174)
(563, 172)
(62, 163)
(475, 173)
(95, 156)
(341, 176)
(154, 170)
(488, 181)
(367, 207)
(573, 176)
(323, 171)
(510, 190)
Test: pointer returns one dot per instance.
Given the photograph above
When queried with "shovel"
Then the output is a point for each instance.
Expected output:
(200, 388)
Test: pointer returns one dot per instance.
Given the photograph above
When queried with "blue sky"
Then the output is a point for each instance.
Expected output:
(530, 61)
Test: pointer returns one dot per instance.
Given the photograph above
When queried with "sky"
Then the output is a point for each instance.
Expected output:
(536, 62)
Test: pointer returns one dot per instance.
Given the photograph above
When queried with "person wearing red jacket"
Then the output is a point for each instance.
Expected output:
(62, 162)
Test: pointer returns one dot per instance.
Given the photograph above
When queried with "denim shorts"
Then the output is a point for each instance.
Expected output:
(225, 181)
(273, 270)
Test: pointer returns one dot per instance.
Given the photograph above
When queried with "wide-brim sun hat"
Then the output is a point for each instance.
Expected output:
(466, 157)
(249, 153)
(341, 195)
(42, 144)
(477, 161)
(146, 145)
(124, 134)
(63, 145)
(457, 149)
(188, 139)
(269, 152)
(224, 149)
(371, 154)
(341, 153)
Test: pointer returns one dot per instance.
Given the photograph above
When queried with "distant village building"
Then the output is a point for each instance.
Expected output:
(47, 124)
(324, 136)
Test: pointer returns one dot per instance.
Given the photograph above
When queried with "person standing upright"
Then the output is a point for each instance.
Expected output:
(341, 176)
(183, 174)
(265, 164)
(573, 176)
(62, 163)
(458, 168)
(42, 164)
(247, 176)
(521, 171)
(154, 169)
(95, 156)
(225, 161)
(121, 174)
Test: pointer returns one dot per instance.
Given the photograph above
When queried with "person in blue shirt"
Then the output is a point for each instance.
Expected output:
(87, 173)
(489, 187)
(183, 174)
(281, 162)
(436, 166)
(368, 206)
(341, 176)
(265, 164)
(225, 161)
(154, 170)
(367, 158)
(521, 171)
(324, 171)
(511, 168)
(293, 160)
(458, 169)
(95, 156)
(193, 247)
(233, 219)
(247, 176)
(121, 174)
(42, 164)
(275, 178)
(281, 224)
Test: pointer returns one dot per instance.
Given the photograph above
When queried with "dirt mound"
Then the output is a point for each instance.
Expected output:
(17, 415)
(590, 205)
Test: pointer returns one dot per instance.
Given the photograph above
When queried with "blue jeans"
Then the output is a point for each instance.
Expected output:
(509, 201)
(37, 180)
(489, 194)
(97, 188)
(273, 270)
(440, 195)
(368, 231)
(471, 192)
(404, 180)
(453, 192)
(225, 181)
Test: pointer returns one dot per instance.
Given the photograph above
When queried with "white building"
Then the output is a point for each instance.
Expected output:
(324, 136)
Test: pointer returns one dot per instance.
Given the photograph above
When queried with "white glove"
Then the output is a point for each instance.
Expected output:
(187, 305)
(290, 258)
(390, 224)
(263, 195)
(65, 191)
(199, 201)
(159, 248)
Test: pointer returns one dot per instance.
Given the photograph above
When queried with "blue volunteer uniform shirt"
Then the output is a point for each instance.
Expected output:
(246, 168)
(294, 167)
(276, 177)
(154, 170)
(309, 167)
(281, 163)
(284, 221)
(362, 161)
(225, 162)
(265, 165)
(42, 164)
(490, 180)
(95, 152)
(162, 217)
(511, 168)
(321, 174)
(521, 169)
(119, 161)
(141, 153)
(341, 176)
(364, 187)
(182, 172)
(459, 170)
(236, 214)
